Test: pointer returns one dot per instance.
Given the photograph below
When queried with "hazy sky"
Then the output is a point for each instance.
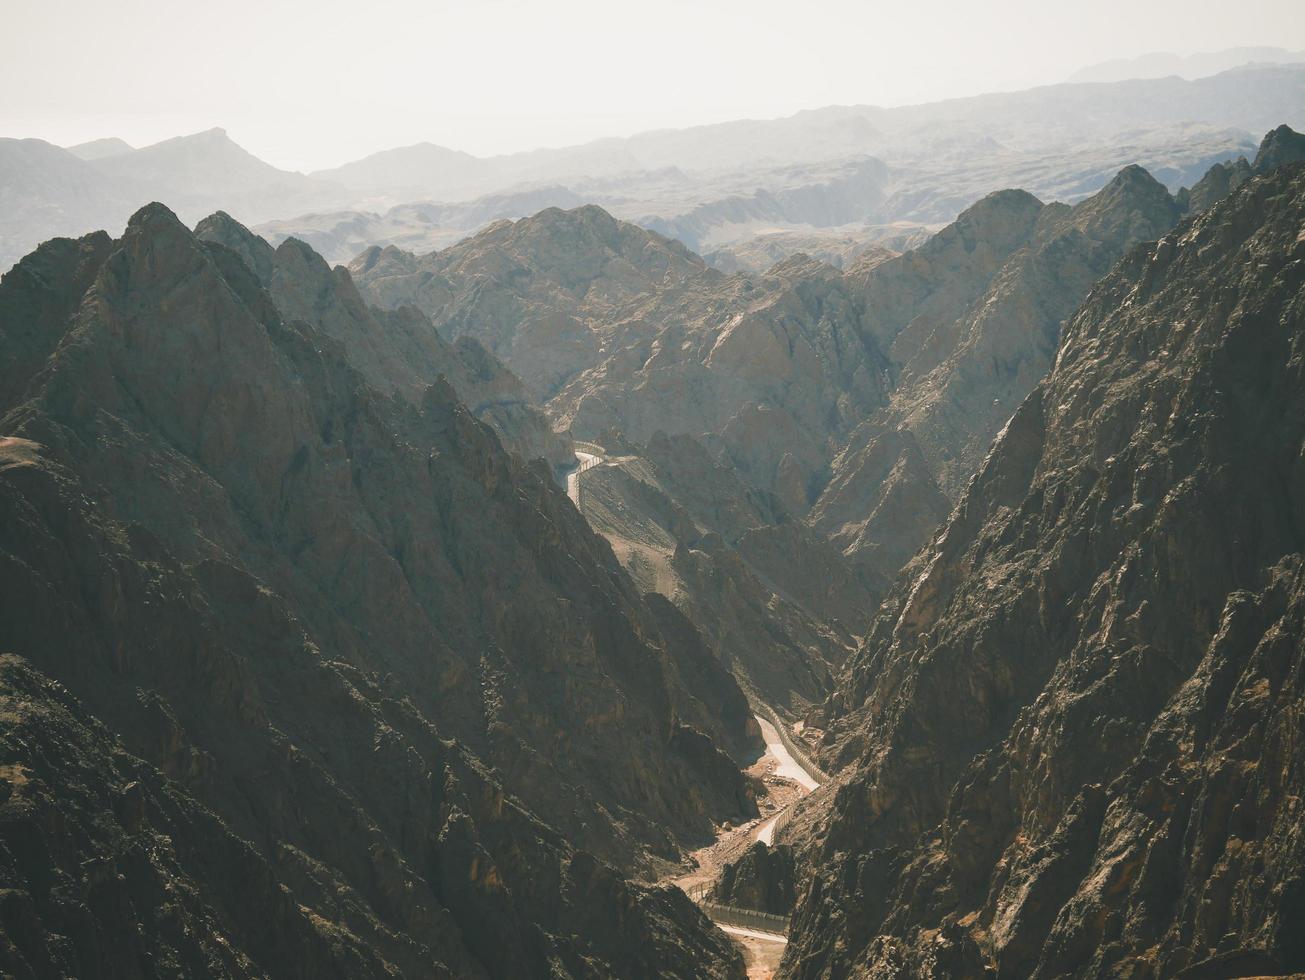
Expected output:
(313, 83)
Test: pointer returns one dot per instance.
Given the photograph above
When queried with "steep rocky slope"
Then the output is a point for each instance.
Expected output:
(621, 329)
(1072, 739)
(285, 590)
(856, 404)
(862, 400)
(772, 600)
(970, 322)
(1280, 146)
(635, 338)
(396, 351)
(535, 292)
(412, 862)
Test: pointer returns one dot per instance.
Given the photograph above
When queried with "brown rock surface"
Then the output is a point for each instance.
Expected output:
(1071, 744)
(396, 351)
(971, 321)
(761, 879)
(862, 401)
(284, 590)
(1279, 147)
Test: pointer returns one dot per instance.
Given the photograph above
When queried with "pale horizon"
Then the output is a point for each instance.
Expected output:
(390, 76)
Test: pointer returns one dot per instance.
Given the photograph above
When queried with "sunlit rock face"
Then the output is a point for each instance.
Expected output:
(1071, 742)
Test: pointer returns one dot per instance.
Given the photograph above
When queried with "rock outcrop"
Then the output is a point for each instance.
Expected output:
(857, 403)
(397, 351)
(1279, 147)
(1071, 743)
(761, 879)
(970, 321)
(356, 681)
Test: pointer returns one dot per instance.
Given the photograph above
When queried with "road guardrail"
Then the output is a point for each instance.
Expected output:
(746, 918)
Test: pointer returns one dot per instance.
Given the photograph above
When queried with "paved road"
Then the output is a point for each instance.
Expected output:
(766, 832)
(772, 937)
(788, 767)
(586, 461)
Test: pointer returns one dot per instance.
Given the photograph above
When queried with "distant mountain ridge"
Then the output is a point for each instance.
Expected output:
(1157, 64)
(97, 149)
(845, 171)
(47, 191)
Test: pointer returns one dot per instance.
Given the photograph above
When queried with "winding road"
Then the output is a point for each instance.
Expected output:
(787, 767)
(584, 461)
(769, 937)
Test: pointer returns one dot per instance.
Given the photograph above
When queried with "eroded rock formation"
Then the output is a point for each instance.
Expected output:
(1071, 742)
(327, 666)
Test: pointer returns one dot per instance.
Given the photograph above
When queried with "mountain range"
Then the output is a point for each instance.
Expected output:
(876, 174)
(1158, 64)
(1071, 738)
(216, 525)
(832, 409)
(432, 614)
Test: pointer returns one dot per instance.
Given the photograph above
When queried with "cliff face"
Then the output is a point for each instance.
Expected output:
(1073, 736)
(281, 592)
(862, 400)
(772, 600)
(396, 351)
(1279, 147)
(970, 321)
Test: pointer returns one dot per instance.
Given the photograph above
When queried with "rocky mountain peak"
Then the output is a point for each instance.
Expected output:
(1001, 221)
(273, 533)
(157, 219)
(220, 227)
(1133, 183)
(590, 238)
(1133, 207)
(1280, 146)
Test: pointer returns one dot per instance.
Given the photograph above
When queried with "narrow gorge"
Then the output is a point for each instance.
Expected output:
(864, 543)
